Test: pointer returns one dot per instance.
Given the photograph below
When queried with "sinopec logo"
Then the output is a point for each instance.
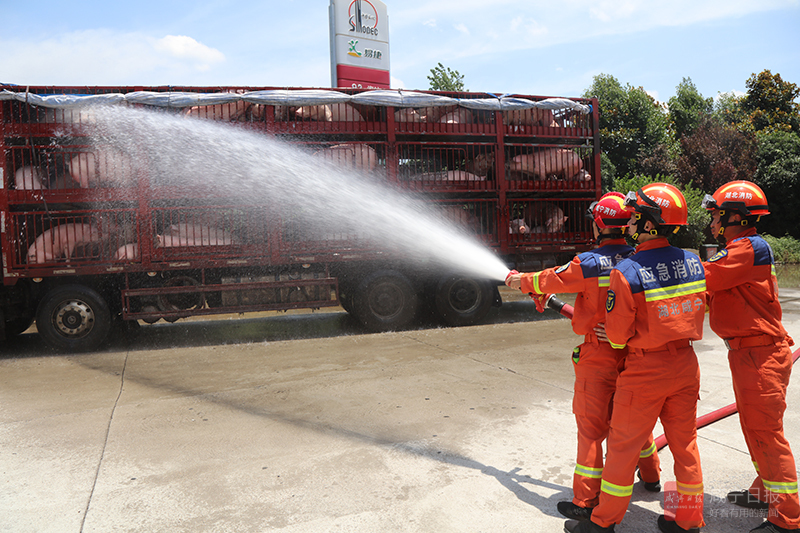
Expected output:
(363, 17)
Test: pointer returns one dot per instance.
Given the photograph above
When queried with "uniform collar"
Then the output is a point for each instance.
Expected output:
(611, 242)
(658, 242)
(749, 232)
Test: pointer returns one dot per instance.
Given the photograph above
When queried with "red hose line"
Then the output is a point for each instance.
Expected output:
(702, 421)
(713, 416)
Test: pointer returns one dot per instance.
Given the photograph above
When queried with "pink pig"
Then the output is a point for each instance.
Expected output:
(542, 164)
(530, 117)
(547, 217)
(127, 252)
(108, 166)
(329, 113)
(28, 178)
(60, 241)
(194, 235)
(458, 116)
(351, 156)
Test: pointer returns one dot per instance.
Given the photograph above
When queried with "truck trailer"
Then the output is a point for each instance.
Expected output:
(92, 235)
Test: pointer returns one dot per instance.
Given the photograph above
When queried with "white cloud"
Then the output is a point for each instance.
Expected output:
(461, 28)
(184, 47)
(102, 56)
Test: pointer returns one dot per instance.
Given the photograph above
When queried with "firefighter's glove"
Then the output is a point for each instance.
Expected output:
(513, 279)
(541, 301)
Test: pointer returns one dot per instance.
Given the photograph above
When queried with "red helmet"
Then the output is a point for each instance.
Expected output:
(609, 211)
(744, 197)
(662, 202)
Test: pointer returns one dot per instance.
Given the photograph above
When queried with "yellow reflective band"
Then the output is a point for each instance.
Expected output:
(536, 288)
(744, 186)
(604, 281)
(648, 452)
(789, 487)
(675, 197)
(773, 271)
(620, 491)
(588, 471)
(689, 490)
(755, 464)
(617, 346)
(684, 289)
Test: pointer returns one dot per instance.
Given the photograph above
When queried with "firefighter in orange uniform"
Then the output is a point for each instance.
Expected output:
(595, 362)
(655, 306)
(744, 311)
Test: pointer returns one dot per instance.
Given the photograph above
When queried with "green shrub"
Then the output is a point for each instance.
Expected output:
(786, 249)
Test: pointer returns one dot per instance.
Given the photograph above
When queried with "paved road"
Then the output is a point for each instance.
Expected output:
(302, 423)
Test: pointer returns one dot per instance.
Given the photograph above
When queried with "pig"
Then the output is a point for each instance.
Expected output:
(458, 116)
(351, 156)
(435, 113)
(481, 164)
(530, 117)
(127, 252)
(28, 178)
(461, 217)
(548, 162)
(194, 235)
(329, 113)
(547, 217)
(519, 226)
(408, 114)
(108, 166)
(233, 112)
(60, 241)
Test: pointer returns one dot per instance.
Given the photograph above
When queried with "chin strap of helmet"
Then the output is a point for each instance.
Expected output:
(726, 216)
(613, 235)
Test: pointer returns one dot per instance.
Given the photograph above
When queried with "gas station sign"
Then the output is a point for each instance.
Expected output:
(359, 31)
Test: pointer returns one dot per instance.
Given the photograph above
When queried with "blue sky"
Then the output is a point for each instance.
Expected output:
(549, 48)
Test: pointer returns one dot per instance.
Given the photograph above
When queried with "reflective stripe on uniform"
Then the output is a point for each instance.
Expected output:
(778, 487)
(620, 491)
(684, 289)
(690, 490)
(604, 281)
(588, 471)
(535, 280)
(648, 452)
(617, 346)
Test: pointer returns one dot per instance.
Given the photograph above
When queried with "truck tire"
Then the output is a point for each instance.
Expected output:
(73, 318)
(385, 301)
(462, 301)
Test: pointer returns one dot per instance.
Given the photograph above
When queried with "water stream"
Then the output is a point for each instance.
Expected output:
(258, 169)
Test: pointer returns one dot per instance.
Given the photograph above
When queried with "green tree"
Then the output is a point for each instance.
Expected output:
(444, 79)
(770, 103)
(728, 109)
(632, 124)
(688, 107)
(716, 153)
(778, 175)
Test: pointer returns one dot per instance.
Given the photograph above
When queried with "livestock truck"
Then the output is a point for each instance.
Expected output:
(88, 243)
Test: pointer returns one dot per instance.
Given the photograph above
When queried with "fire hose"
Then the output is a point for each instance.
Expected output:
(702, 421)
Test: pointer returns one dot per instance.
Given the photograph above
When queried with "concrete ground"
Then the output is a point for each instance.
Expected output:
(301, 423)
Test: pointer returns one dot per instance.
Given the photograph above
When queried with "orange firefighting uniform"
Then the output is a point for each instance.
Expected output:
(744, 310)
(596, 363)
(655, 305)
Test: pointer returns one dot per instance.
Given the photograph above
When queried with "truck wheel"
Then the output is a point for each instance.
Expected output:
(73, 318)
(385, 300)
(462, 301)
